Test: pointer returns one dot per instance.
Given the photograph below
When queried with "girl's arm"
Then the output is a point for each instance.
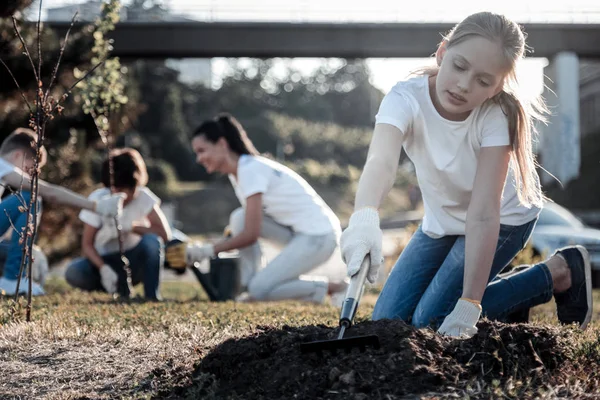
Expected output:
(87, 246)
(379, 172)
(252, 226)
(483, 219)
(158, 225)
(363, 235)
(107, 206)
(49, 192)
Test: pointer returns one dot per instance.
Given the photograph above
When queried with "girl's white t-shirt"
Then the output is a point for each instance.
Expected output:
(445, 155)
(286, 196)
(136, 210)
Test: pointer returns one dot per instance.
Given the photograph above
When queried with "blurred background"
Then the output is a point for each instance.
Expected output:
(305, 78)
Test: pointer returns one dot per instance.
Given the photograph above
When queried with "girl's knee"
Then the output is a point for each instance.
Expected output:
(383, 311)
(70, 275)
(75, 276)
(420, 319)
(426, 317)
(151, 242)
(379, 313)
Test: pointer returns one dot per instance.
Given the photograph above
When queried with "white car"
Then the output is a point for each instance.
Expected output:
(558, 227)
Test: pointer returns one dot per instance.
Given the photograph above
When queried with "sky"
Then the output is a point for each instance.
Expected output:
(385, 72)
(378, 10)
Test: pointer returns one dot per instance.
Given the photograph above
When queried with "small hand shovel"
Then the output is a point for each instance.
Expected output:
(353, 295)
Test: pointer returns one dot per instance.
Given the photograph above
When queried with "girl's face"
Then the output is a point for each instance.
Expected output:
(212, 156)
(471, 72)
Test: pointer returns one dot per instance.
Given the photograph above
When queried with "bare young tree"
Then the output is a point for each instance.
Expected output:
(43, 109)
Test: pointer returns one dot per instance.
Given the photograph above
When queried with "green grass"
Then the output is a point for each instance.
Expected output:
(87, 345)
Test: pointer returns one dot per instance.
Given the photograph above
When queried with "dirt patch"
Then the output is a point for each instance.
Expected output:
(269, 364)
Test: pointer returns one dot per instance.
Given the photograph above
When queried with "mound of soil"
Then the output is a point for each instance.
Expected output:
(269, 364)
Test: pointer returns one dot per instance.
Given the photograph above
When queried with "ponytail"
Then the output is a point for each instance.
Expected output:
(227, 127)
(521, 131)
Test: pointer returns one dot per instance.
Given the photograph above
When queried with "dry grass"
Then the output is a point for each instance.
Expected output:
(84, 345)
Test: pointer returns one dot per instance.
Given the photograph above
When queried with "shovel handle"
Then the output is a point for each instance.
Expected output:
(354, 292)
(357, 281)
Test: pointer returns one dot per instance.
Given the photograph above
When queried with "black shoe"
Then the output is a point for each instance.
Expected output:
(575, 304)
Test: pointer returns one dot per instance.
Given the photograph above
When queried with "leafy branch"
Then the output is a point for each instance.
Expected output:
(103, 96)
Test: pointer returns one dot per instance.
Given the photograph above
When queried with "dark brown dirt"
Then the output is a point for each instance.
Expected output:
(269, 364)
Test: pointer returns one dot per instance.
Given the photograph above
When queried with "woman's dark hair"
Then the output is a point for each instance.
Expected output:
(129, 169)
(227, 127)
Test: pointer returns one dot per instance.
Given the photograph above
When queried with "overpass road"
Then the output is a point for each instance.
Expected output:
(350, 40)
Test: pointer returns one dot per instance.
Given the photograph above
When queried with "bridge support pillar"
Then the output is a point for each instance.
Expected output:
(559, 146)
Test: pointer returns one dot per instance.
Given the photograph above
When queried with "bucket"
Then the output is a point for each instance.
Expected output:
(225, 276)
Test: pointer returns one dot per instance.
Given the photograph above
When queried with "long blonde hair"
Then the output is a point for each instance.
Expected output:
(521, 114)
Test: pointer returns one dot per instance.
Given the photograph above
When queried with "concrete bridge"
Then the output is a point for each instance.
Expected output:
(349, 40)
(562, 44)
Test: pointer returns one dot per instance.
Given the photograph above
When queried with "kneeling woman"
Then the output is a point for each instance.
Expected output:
(277, 204)
(144, 229)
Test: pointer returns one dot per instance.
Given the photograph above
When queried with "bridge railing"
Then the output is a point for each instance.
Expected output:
(341, 11)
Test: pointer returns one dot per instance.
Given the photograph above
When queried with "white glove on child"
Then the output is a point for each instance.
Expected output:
(110, 206)
(109, 278)
(462, 320)
(363, 236)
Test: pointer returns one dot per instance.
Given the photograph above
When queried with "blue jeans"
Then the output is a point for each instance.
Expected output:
(11, 212)
(427, 280)
(145, 261)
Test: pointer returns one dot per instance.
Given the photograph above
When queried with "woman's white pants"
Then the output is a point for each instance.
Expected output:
(288, 275)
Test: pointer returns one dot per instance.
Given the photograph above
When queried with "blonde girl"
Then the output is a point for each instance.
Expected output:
(469, 135)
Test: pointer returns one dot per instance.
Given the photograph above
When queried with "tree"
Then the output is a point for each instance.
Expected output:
(14, 112)
(11, 7)
(338, 92)
(43, 105)
(162, 122)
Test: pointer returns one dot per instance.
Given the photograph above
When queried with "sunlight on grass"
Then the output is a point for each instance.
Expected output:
(187, 301)
(184, 302)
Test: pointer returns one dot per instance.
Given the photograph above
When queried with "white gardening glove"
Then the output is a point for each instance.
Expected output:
(109, 278)
(180, 255)
(363, 236)
(196, 252)
(462, 320)
(110, 206)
